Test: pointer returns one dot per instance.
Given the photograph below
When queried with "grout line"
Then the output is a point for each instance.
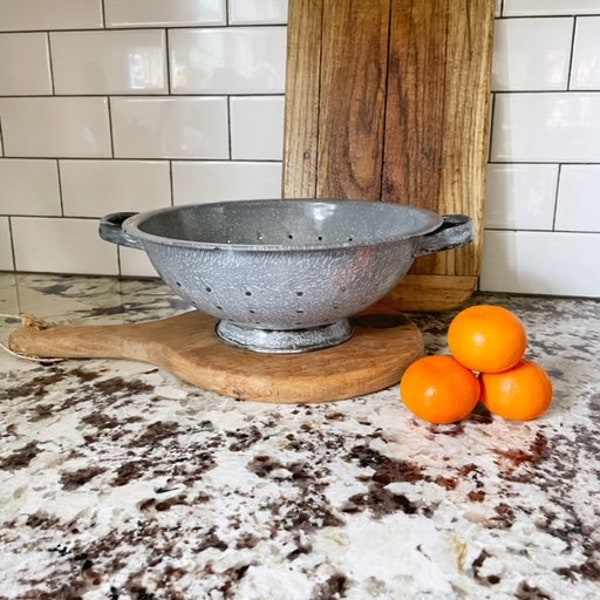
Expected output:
(556, 16)
(548, 231)
(572, 53)
(545, 162)
(171, 188)
(2, 153)
(44, 216)
(12, 244)
(491, 133)
(156, 159)
(564, 92)
(110, 127)
(60, 190)
(103, 11)
(51, 64)
(229, 136)
(168, 60)
(556, 192)
(149, 95)
(208, 26)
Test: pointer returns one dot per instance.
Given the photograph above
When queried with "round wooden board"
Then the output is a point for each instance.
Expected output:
(374, 358)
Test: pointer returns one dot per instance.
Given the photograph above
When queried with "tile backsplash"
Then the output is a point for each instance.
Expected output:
(109, 105)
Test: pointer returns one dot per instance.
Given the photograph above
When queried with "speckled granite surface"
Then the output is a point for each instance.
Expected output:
(117, 481)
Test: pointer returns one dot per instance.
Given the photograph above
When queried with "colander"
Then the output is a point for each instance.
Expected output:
(283, 276)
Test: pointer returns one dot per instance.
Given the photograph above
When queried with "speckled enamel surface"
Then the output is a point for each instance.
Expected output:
(118, 481)
(298, 264)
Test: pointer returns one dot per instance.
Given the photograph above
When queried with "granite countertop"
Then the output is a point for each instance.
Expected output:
(119, 481)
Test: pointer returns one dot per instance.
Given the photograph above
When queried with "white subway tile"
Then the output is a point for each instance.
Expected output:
(238, 60)
(585, 72)
(520, 8)
(29, 187)
(153, 13)
(30, 15)
(257, 128)
(520, 196)
(536, 262)
(135, 263)
(58, 126)
(59, 245)
(93, 188)
(170, 127)
(532, 54)
(546, 127)
(109, 62)
(6, 257)
(246, 12)
(497, 8)
(197, 182)
(578, 206)
(24, 64)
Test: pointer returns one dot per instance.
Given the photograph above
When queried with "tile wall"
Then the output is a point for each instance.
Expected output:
(110, 105)
(543, 200)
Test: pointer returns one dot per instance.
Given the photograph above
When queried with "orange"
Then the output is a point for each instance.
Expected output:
(439, 389)
(521, 393)
(487, 338)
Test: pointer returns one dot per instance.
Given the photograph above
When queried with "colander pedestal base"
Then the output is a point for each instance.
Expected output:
(284, 341)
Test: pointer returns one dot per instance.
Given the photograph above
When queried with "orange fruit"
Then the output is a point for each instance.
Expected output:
(439, 389)
(487, 338)
(522, 393)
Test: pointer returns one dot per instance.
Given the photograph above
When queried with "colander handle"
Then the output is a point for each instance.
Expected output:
(111, 230)
(455, 231)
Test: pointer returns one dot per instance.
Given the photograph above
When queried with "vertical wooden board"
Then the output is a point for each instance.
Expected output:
(466, 125)
(389, 100)
(302, 98)
(413, 148)
(437, 116)
(352, 98)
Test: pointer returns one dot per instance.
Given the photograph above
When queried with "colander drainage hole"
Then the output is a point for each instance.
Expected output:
(320, 238)
(350, 239)
(208, 289)
(299, 293)
(178, 284)
(248, 293)
(252, 311)
(218, 307)
(300, 311)
(290, 236)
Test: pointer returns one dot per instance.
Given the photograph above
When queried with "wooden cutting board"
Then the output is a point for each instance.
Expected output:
(374, 358)
(389, 100)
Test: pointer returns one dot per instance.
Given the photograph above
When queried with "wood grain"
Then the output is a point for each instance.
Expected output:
(302, 82)
(354, 49)
(398, 96)
(374, 358)
(436, 135)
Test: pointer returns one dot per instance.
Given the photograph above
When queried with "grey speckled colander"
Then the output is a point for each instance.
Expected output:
(284, 275)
